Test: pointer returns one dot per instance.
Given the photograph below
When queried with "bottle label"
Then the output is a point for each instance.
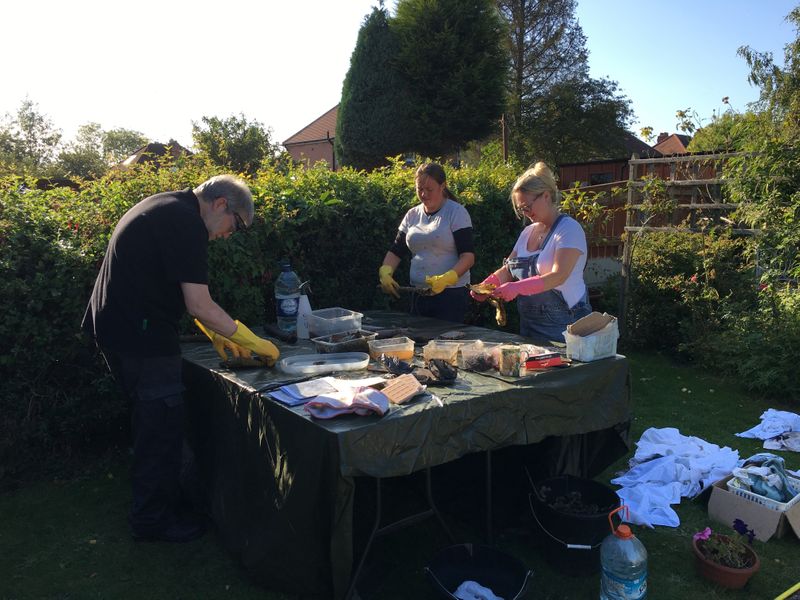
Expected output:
(615, 587)
(286, 306)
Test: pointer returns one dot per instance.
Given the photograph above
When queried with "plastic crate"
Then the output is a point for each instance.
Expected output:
(794, 486)
(347, 341)
(327, 321)
(401, 348)
(479, 356)
(446, 350)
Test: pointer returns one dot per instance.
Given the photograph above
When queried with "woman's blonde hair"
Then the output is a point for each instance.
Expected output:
(537, 179)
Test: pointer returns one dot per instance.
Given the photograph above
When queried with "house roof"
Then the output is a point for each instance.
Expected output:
(673, 144)
(634, 145)
(322, 128)
(151, 151)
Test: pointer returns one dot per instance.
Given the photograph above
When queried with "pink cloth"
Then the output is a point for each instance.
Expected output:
(523, 287)
(359, 401)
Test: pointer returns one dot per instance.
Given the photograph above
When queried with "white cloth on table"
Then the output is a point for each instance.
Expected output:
(472, 590)
(779, 428)
(357, 400)
(666, 467)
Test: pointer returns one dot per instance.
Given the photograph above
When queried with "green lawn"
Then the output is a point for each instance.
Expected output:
(69, 539)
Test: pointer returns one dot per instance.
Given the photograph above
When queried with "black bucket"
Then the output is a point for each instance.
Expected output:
(502, 573)
(572, 514)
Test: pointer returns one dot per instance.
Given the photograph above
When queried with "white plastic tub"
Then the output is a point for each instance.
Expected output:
(327, 321)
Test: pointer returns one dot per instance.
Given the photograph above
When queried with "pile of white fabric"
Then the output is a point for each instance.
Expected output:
(666, 467)
(779, 429)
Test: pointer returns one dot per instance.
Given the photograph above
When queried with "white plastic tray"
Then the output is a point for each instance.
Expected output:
(316, 364)
(794, 486)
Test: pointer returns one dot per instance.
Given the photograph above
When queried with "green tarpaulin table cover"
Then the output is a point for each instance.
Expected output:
(281, 485)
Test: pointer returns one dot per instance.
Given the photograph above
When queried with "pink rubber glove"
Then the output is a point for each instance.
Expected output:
(524, 287)
(493, 279)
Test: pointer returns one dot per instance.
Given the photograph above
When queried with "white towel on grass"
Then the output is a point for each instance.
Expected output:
(779, 428)
(666, 467)
(472, 590)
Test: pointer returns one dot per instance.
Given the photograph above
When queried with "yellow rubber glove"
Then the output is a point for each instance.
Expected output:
(264, 348)
(439, 282)
(222, 344)
(388, 284)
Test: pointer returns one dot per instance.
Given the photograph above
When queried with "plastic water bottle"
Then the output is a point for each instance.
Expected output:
(623, 563)
(287, 297)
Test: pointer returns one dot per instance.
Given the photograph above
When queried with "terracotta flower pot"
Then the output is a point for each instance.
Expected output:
(725, 576)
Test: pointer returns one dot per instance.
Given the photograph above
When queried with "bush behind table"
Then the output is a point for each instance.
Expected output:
(56, 395)
(691, 295)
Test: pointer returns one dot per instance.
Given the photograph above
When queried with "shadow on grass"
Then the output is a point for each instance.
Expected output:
(69, 539)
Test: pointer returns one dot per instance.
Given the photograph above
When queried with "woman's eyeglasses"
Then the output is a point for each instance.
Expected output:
(529, 203)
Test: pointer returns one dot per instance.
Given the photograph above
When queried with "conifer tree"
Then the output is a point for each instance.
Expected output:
(369, 124)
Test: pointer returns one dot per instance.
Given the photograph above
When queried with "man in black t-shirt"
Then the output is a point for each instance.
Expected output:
(155, 268)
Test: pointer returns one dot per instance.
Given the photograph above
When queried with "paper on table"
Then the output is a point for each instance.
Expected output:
(299, 393)
(309, 389)
(346, 384)
(285, 398)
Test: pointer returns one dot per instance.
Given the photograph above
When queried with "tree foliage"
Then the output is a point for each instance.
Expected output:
(766, 181)
(235, 143)
(368, 128)
(120, 143)
(28, 139)
(779, 86)
(427, 81)
(728, 132)
(94, 150)
(547, 47)
(453, 65)
(83, 157)
(577, 120)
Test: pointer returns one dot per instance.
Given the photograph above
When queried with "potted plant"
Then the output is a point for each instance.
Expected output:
(726, 560)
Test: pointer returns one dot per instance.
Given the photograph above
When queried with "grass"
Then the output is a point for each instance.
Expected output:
(68, 539)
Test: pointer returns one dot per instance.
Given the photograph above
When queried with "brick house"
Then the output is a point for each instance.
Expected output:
(314, 142)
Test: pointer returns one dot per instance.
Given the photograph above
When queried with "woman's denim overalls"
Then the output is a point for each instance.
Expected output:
(545, 316)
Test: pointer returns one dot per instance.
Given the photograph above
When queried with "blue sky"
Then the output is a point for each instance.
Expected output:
(669, 56)
(160, 65)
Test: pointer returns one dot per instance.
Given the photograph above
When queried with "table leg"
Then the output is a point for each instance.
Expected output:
(378, 531)
(489, 535)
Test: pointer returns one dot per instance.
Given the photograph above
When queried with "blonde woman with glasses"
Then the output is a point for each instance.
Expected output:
(544, 271)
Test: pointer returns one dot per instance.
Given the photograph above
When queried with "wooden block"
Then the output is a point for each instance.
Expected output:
(401, 388)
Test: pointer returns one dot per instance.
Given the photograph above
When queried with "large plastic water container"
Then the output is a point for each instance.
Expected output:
(287, 297)
(623, 564)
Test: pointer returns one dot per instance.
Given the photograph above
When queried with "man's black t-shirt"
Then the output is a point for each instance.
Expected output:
(137, 300)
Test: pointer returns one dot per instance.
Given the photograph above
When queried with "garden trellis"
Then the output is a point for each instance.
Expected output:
(675, 194)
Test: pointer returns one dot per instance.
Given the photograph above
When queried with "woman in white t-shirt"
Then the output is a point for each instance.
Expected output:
(437, 236)
(544, 271)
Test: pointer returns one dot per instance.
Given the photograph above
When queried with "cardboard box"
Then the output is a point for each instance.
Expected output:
(600, 344)
(724, 506)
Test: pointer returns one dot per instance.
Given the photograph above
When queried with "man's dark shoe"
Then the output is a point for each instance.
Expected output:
(178, 532)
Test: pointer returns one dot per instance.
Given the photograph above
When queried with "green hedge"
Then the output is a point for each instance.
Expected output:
(336, 228)
(677, 284)
(692, 295)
